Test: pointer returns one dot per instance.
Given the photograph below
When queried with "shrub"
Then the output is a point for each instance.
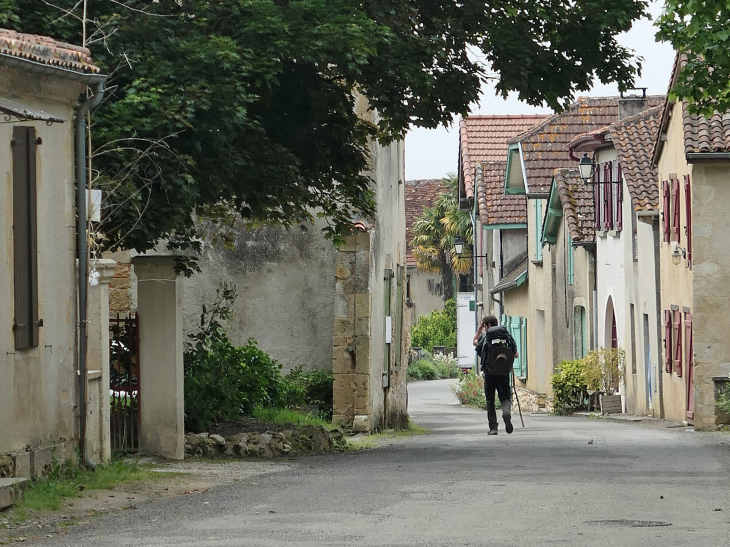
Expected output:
(433, 368)
(469, 391)
(604, 369)
(447, 366)
(317, 387)
(569, 386)
(225, 382)
(436, 329)
(423, 369)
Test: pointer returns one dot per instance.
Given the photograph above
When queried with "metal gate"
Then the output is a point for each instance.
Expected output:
(124, 382)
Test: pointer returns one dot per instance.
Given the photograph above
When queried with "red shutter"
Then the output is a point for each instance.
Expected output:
(677, 339)
(689, 349)
(675, 210)
(667, 341)
(688, 220)
(665, 209)
(608, 197)
(620, 200)
(597, 199)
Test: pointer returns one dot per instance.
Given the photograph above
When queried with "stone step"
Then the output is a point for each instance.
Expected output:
(11, 491)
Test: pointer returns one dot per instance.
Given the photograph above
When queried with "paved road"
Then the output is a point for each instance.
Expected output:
(558, 481)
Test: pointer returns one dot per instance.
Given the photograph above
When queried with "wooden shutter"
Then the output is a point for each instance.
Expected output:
(522, 347)
(399, 317)
(667, 341)
(665, 209)
(620, 199)
(607, 198)
(25, 238)
(675, 210)
(538, 229)
(688, 219)
(514, 329)
(677, 340)
(689, 349)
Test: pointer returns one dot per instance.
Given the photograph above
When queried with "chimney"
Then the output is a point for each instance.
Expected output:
(632, 102)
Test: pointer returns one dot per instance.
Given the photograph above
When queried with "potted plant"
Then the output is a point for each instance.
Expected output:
(604, 372)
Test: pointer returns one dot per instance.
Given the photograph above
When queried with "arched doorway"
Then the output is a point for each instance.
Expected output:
(611, 334)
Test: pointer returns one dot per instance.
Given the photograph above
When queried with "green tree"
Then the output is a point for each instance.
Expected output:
(434, 233)
(436, 329)
(700, 31)
(248, 105)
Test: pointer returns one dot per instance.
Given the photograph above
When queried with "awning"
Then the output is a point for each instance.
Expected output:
(515, 278)
(9, 109)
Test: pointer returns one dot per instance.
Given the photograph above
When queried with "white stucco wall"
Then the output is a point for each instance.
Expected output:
(38, 387)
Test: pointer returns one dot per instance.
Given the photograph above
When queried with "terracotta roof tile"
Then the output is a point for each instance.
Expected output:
(418, 195)
(634, 140)
(484, 139)
(47, 51)
(546, 146)
(576, 198)
(496, 207)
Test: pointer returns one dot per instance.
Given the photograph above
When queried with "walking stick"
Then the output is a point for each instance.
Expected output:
(514, 387)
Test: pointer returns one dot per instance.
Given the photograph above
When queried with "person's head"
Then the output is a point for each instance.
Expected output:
(490, 321)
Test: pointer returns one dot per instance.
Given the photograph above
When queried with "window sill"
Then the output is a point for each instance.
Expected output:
(522, 379)
(537, 262)
(600, 233)
(614, 233)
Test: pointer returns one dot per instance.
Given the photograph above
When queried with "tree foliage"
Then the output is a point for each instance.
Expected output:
(250, 104)
(434, 234)
(699, 30)
(436, 329)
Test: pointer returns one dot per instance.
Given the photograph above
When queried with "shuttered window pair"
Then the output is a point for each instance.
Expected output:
(671, 213)
(25, 238)
(517, 327)
(678, 355)
(609, 197)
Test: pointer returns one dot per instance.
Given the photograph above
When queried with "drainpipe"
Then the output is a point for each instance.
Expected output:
(82, 248)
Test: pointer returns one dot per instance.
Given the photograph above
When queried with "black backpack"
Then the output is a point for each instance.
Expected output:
(496, 351)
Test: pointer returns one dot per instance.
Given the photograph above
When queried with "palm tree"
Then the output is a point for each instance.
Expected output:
(434, 234)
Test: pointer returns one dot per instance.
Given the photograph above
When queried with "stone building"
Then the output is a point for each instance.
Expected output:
(425, 291)
(692, 156)
(41, 82)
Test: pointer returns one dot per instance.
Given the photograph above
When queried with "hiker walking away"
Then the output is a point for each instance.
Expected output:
(498, 350)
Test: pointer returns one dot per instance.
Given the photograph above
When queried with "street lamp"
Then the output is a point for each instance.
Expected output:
(458, 245)
(678, 254)
(586, 167)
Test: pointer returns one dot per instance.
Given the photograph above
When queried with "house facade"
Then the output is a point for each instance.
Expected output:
(425, 291)
(41, 81)
(626, 202)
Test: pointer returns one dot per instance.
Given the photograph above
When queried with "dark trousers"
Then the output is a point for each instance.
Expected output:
(500, 382)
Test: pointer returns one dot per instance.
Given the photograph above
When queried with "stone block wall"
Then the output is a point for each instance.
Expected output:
(351, 358)
(123, 290)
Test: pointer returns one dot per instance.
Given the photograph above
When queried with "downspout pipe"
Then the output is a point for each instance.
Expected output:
(82, 248)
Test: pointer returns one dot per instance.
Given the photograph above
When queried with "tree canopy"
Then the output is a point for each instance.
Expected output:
(700, 31)
(248, 105)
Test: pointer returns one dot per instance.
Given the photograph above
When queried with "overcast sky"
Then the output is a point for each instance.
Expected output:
(433, 153)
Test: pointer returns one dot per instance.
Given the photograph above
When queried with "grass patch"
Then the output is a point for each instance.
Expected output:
(371, 441)
(280, 417)
(70, 482)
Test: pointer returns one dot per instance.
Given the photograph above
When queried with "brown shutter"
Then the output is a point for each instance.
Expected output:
(677, 333)
(667, 341)
(665, 209)
(597, 197)
(25, 238)
(688, 219)
(675, 210)
(689, 349)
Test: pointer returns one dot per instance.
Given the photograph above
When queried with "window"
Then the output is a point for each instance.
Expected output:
(633, 340)
(580, 330)
(675, 210)
(571, 259)
(688, 219)
(25, 234)
(538, 230)
(677, 341)
(609, 197)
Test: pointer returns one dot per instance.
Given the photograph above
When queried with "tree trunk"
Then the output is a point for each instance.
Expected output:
(447, 277)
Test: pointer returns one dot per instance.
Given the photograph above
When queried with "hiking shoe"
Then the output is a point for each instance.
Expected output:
(492, 432)
(508, 423)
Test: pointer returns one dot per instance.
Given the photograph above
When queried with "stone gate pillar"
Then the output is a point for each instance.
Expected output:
(159, 306)
(97, 364)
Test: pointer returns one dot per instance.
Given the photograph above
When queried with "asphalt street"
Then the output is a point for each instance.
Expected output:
(558, 481)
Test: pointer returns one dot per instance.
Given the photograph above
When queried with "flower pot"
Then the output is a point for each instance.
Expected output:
(611, 404)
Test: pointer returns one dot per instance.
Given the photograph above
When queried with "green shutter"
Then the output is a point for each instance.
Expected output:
(523, 346)
(386, 347)
(516, 332)
(538, 229)
(399, 317)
